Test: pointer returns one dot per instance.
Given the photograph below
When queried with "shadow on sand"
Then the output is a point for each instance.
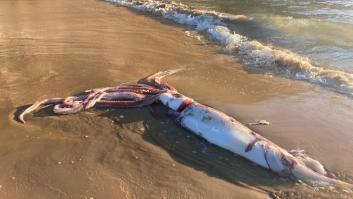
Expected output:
(193, 151)
(188, 149)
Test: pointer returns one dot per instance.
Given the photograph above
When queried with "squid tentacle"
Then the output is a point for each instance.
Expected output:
(124, 95)
(155, 80)
(63, 109)
(127, 103)
(39, 105)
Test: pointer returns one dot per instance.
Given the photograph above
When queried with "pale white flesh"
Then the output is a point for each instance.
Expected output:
(226, 132)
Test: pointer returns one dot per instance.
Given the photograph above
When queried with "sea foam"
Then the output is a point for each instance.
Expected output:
(255, 55)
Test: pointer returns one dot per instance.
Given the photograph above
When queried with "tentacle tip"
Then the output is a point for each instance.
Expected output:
(21, 120)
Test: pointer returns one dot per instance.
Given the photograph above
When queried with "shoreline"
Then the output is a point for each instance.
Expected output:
(128, 152)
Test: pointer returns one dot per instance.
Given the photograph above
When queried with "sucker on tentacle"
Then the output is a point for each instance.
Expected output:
(208, 123)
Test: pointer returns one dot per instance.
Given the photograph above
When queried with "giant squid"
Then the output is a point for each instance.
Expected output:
(214, 126)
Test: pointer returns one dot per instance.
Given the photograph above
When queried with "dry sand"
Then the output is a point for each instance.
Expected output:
(59, 48)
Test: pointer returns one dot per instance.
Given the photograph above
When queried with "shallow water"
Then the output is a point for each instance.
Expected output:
(239, 36)
(321, 30)
(56, 49)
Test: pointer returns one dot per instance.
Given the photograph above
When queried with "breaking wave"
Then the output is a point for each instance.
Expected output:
(254, 54)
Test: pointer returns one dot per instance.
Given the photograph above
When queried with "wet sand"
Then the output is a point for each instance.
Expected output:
(59, 48)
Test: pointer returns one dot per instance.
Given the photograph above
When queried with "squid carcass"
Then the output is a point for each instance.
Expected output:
(208, 123)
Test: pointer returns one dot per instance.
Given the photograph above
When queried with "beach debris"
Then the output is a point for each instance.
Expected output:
(85, 136)
(259, 122)
(212, 125)
(60, 163)
(13, 178)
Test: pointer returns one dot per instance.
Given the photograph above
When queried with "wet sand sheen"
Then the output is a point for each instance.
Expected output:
(50, 49)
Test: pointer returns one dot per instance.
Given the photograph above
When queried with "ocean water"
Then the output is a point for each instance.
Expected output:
(319, 29)
(301, 40)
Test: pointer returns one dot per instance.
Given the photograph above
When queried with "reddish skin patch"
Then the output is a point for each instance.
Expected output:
(91, 97)
(185, 104)
(251, 144)
(265, 148)
(287, 161)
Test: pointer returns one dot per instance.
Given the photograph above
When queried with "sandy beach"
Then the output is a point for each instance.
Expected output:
(61, 48)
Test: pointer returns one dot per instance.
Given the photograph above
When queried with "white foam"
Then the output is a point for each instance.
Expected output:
(257, 55)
